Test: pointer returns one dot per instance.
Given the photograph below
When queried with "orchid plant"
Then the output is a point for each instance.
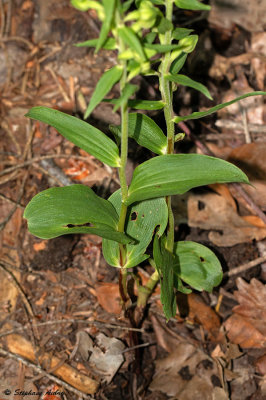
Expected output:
(142, 35)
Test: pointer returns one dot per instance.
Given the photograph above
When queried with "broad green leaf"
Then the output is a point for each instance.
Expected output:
(186, 81)
(178, 63)
(132, 40)
(109, 7)
(177, 173)
(127, 92)
(72, 209)
(140, 104)
(192, 5)
(181, 33)
(165, 263)
(201, 114)
(142, 220)
(82, 134)
(197, 265)
(109, 43)
(145, 131)
(105, 84)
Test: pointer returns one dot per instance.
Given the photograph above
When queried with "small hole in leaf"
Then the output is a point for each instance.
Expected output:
(134, 216)
(202, 259)
(201, 205)
(142, 216)
(78, 225)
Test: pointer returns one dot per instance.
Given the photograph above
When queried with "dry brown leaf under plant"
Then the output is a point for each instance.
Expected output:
(247, 325)
(187, 372)
(213, 212)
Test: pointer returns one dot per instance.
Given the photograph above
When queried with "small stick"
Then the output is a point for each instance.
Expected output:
(10, 133)
(17, 39)
(43, 372)
(245, 267)
(13, 280)
(3, 22)
(11, 201)
(8, 17)
(234, 125)
(60, 87)
(72, 321)
(48, 156)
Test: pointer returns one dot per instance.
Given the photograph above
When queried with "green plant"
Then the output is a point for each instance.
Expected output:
(146, 43)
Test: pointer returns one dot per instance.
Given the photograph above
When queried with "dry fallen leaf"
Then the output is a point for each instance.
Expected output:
(213, 212)
(108, 297)
(106, 354)
(187, 372)
(247, 326)
(205, 315)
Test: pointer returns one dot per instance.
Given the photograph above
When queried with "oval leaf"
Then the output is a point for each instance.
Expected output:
(72, 209)
(186, 81)
(197, 265)
(80, 133)
(201, 114)
(177, 173)
(142, 219)
(145, 131)
(105, 84)
(192, 5)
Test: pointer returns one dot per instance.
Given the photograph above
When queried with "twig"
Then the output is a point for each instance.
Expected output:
(245, 267)
(17, 39)
(236, 186)
(20, 194)
(48, 156)
(30, 135)
(8, 17)
(138, 346)
(60, 87)
(13, 280)
(11, 201)
(43, 372)
(245, 125)
(72, 321)
(10, 133)
(3, 22)
(234, 125)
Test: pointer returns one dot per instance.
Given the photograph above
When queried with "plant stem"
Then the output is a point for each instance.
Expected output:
(167, 97)
(122, 169)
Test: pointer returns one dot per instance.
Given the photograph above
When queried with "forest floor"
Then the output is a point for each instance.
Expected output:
(61, 324)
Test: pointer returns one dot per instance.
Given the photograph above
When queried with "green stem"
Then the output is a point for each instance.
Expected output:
(122, 169)
(167, 97)
(146, 291)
